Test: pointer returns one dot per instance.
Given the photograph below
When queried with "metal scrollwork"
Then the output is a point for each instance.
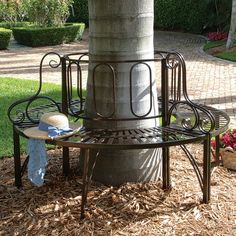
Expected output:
(16, 114)
(53, 63)
(190, 116)
(34, 113)
(172, 60)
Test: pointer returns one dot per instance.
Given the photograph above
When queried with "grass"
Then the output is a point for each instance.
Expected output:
(229, 55)
(11, 90)
(213, 44)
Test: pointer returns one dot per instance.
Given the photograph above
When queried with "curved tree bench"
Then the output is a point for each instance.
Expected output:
(179, 121)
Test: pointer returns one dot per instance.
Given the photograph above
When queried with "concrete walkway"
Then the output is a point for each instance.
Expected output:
(210, 80)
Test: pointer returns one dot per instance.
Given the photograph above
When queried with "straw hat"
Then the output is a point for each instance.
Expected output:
(55, 120)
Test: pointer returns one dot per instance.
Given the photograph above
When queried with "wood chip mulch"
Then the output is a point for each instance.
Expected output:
(131, 209)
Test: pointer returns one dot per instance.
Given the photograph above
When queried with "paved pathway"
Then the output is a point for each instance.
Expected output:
(210, 80)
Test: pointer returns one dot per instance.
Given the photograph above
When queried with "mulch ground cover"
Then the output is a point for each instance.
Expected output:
(131, 209)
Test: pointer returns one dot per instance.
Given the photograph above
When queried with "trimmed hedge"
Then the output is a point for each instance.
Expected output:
(186, 15)
(74, 31)
(5, 36)
(35, 37)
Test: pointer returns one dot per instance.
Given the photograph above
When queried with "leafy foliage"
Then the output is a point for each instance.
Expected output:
(187, 15)
(47, 13)
(12, 10)
(5, 35)
(79, 12)
(218, 17)
(43, 13)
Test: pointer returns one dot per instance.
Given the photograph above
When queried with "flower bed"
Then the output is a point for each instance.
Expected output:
(34, 37)
(5, 36)
(228, 149)
(228, 139)
(215, 36)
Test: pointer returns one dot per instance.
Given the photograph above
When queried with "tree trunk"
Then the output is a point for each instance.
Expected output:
(231, 36)
(122, 30)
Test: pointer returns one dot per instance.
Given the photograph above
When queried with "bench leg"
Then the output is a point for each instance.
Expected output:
(217, 138)
(166, 168)
(85, 182)
(206, 170)
(17, 161)
(66, 161)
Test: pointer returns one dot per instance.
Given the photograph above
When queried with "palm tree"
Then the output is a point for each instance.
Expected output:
(231, 36)
(121, 30)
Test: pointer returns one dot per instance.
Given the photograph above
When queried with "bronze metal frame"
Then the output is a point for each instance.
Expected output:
(199, 123)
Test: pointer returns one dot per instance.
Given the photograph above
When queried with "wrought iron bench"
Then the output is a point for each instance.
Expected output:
(181, 120)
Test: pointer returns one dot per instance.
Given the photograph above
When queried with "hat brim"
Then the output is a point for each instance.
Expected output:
(35, 133)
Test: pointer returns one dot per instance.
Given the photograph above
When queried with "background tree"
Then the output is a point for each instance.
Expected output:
(79, 12)
(218, 12)
(231, 35)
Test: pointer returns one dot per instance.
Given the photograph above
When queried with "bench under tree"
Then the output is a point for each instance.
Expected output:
(180, 120)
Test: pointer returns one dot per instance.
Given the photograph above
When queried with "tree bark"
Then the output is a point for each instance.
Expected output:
(122, 30)
(231, 35)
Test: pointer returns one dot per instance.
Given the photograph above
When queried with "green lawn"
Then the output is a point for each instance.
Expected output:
(213, 44)
(11, 90)
(229, 55)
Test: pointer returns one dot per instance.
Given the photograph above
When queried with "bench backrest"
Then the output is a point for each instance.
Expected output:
(165, 72)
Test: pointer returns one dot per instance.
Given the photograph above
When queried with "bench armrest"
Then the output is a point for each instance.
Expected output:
(30, 109)
(191, 116)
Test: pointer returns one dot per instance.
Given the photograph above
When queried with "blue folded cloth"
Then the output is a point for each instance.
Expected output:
(37, 161)
(38, 155)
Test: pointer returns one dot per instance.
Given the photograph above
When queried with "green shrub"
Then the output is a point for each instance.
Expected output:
(5, 35)
(48, 13)
(35, 37)
(74, 31)
(79, 12)
(12, 10)
(186, 15)
(9, 25)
